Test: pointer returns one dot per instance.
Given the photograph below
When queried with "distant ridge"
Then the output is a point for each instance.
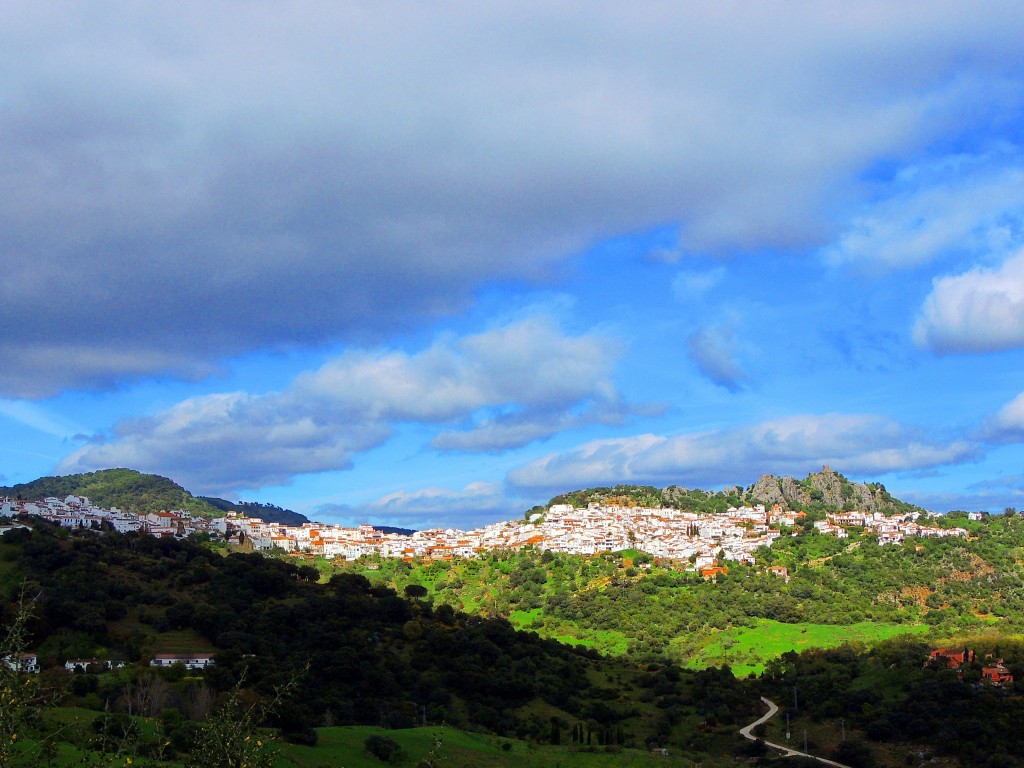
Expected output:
(825, 490)
(268, 512)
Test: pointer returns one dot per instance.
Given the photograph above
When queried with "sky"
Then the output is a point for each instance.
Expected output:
(431, 264)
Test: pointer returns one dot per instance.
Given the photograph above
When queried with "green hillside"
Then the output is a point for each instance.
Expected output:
(122, 488)
(839, 589)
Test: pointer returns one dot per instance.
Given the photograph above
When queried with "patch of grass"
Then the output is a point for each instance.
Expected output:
(344, 746)
(747, 649)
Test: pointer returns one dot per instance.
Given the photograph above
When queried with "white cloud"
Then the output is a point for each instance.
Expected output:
(981, 310)
(494, 390)
(184, 183)
(851, 443)
(959, 204)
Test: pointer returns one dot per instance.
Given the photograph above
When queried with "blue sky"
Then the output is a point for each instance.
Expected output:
(433, 264)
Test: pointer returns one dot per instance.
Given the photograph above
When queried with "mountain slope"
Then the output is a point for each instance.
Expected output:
(123, 488)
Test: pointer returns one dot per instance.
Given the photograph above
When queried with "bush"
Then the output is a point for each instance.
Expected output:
(384, 748)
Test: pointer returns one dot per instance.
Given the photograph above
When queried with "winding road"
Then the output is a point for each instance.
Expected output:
(747, 732)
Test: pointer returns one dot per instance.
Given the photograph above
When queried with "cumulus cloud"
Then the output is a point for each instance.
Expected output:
(187, 183)
(475, 505)
(981, 310)
(476, 386)
(856, 444)
(713, 349)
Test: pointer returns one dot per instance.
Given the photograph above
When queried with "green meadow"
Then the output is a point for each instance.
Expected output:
(747, 649)
(343, 746)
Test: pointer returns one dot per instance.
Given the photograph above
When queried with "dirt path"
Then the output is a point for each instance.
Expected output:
(747, 732)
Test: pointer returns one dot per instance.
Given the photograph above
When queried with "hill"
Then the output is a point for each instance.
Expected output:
(123, 488)
(830, 591)
(267, 512)
(826, 490)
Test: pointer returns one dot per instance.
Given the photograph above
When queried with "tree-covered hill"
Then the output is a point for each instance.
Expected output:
(123, 488)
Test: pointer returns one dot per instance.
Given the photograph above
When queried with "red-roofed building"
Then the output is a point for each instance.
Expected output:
(997, 674)
(952, 658)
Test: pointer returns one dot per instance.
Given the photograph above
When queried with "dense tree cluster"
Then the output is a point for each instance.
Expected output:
(889, 695)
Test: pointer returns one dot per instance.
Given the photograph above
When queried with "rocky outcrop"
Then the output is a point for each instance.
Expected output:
(826, 487)
(768, 491)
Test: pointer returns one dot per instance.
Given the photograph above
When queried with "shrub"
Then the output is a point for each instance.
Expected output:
(384, 748)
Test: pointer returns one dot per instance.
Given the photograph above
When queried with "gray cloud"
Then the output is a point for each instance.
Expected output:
(187, 183)
(1006, 426)
(855, 444)
(223, 442)
(712, 347)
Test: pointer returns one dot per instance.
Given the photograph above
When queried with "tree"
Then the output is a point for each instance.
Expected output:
(21, 699)
(415, 591)
(231, 738)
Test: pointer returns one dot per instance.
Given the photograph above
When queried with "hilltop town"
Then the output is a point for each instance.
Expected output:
(702, 539)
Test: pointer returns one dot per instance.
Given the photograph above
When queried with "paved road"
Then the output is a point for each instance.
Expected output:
(747, 733)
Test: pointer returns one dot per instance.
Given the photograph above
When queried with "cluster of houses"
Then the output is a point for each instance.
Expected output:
(704, 540)
(80, 512)
(993, 671)
(890, 529)
(29, 662)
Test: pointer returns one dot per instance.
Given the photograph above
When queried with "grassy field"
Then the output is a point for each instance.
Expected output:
(746, 649)
(448, 747)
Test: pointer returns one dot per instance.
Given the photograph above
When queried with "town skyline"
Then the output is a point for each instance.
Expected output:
(706, 540)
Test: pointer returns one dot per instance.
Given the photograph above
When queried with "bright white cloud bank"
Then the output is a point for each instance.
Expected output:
(536, 378)
(981, 310)
(858, 444)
